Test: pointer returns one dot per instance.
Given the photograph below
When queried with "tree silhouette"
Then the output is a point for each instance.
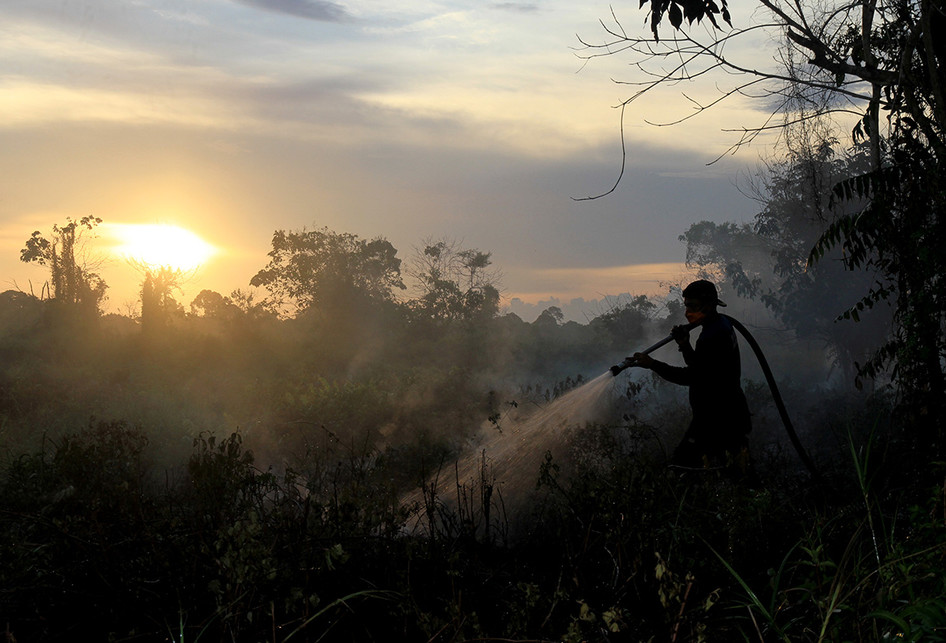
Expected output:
(860, 58)
(71, 279)
(158, 305)
(454, 283)
(328, 271)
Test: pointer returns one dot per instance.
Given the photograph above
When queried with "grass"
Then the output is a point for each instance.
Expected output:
(95, 539)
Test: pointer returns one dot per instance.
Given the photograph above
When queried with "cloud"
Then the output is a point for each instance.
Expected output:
(648, 279)
(320, 10)
(521, 7)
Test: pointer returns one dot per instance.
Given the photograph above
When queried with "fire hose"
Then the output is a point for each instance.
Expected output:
(769, 378)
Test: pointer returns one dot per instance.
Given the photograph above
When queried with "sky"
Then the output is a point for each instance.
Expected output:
(417, 120)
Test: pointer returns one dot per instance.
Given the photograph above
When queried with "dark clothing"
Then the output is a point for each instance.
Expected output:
(713, 372)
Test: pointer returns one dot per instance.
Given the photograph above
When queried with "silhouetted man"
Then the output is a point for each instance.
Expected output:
(718, 432)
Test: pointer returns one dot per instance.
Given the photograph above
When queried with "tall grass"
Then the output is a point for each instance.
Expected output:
(868, 570)
(98, 543)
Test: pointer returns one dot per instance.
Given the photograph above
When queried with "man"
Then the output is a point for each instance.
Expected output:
(718, 432)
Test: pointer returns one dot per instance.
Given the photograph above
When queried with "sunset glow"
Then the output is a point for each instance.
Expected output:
(161, 245)
(481, 122)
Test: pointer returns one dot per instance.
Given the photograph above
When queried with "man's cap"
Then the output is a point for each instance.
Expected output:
(704, 291)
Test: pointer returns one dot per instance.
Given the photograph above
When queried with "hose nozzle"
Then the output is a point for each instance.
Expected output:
(617, 368)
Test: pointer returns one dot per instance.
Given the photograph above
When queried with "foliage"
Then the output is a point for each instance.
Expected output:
(264, 480)
(230, 552)
(293, 526)
(895, 233)
(628, 319)
(213, 305)
(766, 259)
(874, 56)
(72, 281)
(158, 305)
(690, 10)
(869, 575)
(322, 269)
(621, 550)
(454, 283)
(883, 64)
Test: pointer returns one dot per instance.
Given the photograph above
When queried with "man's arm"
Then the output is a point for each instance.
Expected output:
(682, 375)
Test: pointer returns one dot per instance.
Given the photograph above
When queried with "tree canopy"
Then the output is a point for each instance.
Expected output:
(324, 269)
(454, 283)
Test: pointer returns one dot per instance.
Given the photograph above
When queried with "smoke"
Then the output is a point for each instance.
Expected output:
(380, 387)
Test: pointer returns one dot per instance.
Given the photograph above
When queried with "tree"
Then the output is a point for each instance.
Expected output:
(856, 58)
(212, 305)
(71, 280)
(245, 302)
(901, 232)
(237, 307)
(625, 322)
(454, 283)
(158, 305)
(863, 58)
(551, 317)
(328, 271)
(766, 260)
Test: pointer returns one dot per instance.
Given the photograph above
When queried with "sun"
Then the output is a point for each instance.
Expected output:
(159, 245)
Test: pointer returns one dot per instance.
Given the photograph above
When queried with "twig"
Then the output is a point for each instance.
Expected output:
(683, 605)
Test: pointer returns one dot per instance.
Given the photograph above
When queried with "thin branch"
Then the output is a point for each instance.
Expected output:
(623, 165)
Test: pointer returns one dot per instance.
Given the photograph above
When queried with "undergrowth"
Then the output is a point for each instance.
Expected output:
(97, 543)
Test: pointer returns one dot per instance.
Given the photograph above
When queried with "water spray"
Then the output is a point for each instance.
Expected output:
(769, 378)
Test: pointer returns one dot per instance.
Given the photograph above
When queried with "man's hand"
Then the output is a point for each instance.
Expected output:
(641, 359)
(681, 335)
